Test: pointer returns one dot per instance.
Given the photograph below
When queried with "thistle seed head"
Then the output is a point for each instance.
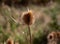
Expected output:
(28, 18)
(10, 41)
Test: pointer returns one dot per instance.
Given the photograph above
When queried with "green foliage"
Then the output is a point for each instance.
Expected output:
(58, 1)
(13, 25)
(5, 37)
(53, 12)
(1, 29)
(40, 38)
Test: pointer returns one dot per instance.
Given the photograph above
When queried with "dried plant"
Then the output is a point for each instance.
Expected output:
(54, 37)
(10, 41)
(28, 19)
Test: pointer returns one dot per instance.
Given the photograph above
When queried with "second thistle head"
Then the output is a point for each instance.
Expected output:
(10, 41)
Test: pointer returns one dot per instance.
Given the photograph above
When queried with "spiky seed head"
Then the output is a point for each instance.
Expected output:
(52, 36)
(28, 18)
(10, 41)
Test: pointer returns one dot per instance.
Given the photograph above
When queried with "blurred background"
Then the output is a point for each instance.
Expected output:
(47, 19)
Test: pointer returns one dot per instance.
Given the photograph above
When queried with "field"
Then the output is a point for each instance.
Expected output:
(12, 27)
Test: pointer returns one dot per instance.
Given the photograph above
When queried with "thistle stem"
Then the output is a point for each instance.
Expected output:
(30, 34)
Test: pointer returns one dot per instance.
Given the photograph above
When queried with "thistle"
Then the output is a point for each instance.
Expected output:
(51, 36)
(28, 19)
(10, 41)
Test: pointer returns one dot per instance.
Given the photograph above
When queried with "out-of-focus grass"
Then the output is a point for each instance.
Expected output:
(53, 12)
(39, 29)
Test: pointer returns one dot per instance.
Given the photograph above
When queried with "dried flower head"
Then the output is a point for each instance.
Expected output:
(10, 41)
(28, 18)
(52, 36)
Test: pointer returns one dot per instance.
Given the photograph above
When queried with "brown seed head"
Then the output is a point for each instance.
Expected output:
(9, 41)
(28, 18)
(52, 36)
